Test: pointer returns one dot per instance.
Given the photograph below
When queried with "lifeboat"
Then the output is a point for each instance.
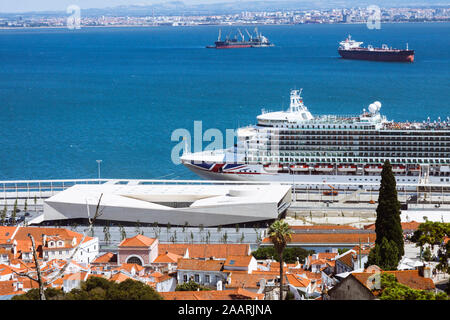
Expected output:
(398, 169)
(346, 168)
(299, 167)
(373, 168)
(273, 167)
(323, 167)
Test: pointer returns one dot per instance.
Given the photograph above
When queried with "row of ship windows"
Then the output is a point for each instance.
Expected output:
(350, 138)
(348, 148)
(361, 134)
(323, 126)
(348, 160)
(375, 180)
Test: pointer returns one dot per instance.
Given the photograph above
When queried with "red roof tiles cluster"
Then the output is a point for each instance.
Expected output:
(233, 294)
(202, 251)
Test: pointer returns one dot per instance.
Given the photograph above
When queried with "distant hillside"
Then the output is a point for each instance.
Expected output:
(179, 7)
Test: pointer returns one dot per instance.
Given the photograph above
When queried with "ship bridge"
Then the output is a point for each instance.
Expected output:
(297, 112)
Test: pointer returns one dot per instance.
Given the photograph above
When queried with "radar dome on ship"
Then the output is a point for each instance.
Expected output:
(375, 107)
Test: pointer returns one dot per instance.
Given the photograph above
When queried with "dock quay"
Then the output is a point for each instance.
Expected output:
(306, 204)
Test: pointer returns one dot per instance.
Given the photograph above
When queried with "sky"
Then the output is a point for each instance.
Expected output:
(12, 6)
(61, 5)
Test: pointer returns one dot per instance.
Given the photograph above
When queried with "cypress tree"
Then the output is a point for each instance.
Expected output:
(388, 223)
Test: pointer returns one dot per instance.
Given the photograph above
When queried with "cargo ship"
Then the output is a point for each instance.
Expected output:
(257, 41)
(351, 49)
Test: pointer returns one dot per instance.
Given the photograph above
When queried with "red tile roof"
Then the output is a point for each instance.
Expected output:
(7, 287)
(108, 257)
(409, 278)
(242, 279)
(137, 241)
(119, 277)
(167, 257)
(233, 294)
(238, 261)
(406, 226)
(329, 238)
(324, 227)
(203, 265)
(297, 281)
(199, 250)
(347, 259)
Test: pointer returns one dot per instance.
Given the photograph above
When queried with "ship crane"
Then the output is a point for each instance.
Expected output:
(249, 35)
(220, 33)
(242, 36)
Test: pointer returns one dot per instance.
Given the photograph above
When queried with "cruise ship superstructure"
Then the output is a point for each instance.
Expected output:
(295, 146)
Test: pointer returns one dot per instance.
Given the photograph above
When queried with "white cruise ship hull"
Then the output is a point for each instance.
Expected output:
(254, 173)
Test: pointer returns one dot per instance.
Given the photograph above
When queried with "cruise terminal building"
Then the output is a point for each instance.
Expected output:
(178, 204)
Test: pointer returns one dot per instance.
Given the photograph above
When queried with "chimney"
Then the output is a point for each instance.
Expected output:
(425, 271)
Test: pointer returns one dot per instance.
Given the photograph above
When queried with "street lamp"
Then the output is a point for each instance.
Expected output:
(98, 162)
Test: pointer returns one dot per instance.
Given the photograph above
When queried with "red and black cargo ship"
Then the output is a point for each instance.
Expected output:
(351, 49)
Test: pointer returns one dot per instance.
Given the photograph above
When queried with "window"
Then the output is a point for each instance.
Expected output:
(135, 260)
(196, 278)
(185, 278)
(207, 278)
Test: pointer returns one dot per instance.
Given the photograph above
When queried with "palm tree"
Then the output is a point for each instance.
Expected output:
(280, 234)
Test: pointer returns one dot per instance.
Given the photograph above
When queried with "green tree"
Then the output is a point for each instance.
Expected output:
(33, 294)
(138, 228)
(107, 234)
(427, 255)
(14, 213)
(123, 233)
(190, 286)
(25, 206)
(225, 237)
(132, 290)
(385, 255)
(3, 215)
(237, 227)
(444, 257)
(431, 233)
(391, 289)
(290, 254)
(388, 223)
(280, 234)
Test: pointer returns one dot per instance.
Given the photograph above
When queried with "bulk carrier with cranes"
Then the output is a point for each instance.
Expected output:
(256, 40)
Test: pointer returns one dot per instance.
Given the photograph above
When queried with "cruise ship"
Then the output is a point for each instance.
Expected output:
(295, 146)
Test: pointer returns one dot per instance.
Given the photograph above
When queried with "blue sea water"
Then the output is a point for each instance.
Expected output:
(70, 97)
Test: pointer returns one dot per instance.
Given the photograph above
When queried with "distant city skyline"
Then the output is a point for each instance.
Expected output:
(18, 6)
(61, 5)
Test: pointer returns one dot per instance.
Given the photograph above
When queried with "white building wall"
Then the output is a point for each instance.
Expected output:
(214, 277)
